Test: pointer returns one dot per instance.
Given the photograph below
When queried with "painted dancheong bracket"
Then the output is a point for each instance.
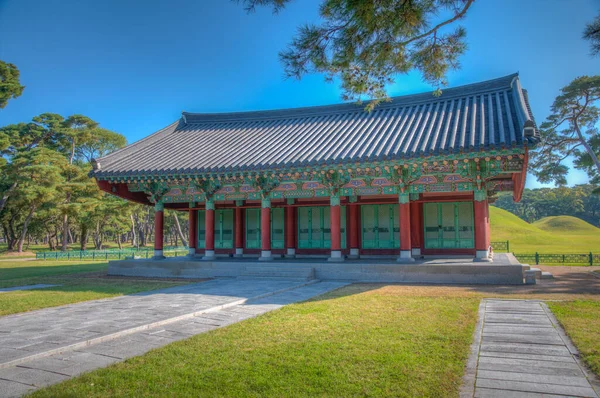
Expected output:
(450, 174)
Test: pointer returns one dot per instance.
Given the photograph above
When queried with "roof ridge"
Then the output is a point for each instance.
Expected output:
(414, 99)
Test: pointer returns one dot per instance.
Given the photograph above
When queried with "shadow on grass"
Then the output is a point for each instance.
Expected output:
(48, 270)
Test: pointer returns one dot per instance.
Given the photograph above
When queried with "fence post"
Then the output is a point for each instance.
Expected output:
(44, 255)
(80, 255)
(537, 258)
(94, 255)
(119, 255)
(508, 246)
(591, 259)
(56, 255)
(563, 258)
(106, 255)
(68, 255)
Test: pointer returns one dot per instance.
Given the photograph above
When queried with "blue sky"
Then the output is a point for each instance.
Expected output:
(134, 65)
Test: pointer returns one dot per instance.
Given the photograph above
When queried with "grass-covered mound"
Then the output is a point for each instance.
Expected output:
(566, 225)
(545, 235)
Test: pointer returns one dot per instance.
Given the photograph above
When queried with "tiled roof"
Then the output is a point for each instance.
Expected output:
(476, 117)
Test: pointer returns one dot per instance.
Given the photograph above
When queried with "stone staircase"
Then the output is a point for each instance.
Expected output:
(532, 274)
(278, 271)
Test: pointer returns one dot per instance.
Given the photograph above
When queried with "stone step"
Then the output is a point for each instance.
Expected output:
(547, 275)
(273, 278)
(538, 272)
(278, 271)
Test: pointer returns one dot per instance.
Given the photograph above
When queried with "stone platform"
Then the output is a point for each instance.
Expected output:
(504, 270)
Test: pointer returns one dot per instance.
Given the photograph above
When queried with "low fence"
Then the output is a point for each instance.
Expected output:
(501, 247)
(572, 258)
(542, 258)
(110, 254)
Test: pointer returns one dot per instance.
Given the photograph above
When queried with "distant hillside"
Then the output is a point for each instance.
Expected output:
(566, 224)
(548, 235)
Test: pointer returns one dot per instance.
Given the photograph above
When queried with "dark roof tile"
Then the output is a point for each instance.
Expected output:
(472, 117)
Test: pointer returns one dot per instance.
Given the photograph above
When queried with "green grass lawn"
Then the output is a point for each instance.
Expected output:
(12, 271)
(78, 282)
(552, 235)
(581, 320)
(357, 341)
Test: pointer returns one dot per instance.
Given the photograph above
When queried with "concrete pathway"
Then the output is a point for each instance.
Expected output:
(520, 350)
(44, 347)
(26, 287)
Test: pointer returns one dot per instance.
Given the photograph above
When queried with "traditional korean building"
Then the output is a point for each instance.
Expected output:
(413, 177)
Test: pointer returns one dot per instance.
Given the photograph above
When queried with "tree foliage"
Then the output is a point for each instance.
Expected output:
(365, 43)
(578, 201)
(592, 33)
(44, 179)
(570, 131)
(10, 85)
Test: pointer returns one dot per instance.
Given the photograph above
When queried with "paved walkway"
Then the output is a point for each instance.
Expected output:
(44, 347)
(520, 350)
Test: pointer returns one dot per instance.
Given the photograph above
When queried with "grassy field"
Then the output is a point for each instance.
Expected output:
(553, 235)
(581, 320)
(78, 282)
(353, 342)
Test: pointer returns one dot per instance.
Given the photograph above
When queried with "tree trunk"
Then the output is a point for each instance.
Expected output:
(133, 236)
(24, 231)
(84, 237)
(6, 195)
(97, 237)
(65, 234)
(12, 235)
(587, 146)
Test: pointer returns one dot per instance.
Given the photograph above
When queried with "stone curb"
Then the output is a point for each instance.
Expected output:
(467, 388)
(121, 333)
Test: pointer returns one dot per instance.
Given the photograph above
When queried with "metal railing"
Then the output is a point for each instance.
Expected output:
(501, 247)
(571, 258)
(110, 254)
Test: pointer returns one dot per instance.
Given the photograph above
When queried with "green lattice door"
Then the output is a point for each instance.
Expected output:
(201, 229)
(449, 225)
(223, 229)
(253, 229)
(314, 227)
(380, 227)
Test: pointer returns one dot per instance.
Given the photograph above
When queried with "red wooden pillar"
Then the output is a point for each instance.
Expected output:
(480, 216)
(353, 229)
(335, 228)
(416, 215)
(488, 242)
(404, 215)
(193, 223)
(238, 229)
(209, 226)
(290, 232)
(158, 230)
(265, 230)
